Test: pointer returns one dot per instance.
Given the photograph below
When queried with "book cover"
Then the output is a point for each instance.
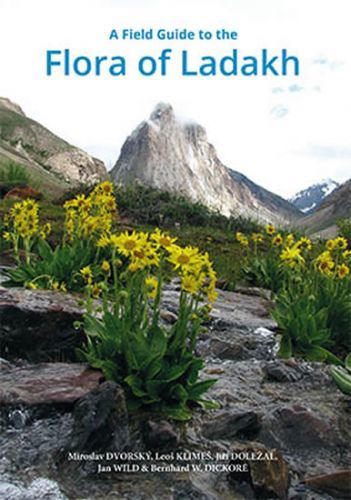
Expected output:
(175, 249)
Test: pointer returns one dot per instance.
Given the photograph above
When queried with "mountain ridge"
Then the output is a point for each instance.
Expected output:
(29, 143)
(336, 206)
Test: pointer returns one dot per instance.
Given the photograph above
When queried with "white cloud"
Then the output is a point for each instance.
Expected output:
(98, 113)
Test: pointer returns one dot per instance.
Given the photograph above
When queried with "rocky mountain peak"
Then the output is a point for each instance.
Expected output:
(166, 153)
(162, 114)
(12, 106)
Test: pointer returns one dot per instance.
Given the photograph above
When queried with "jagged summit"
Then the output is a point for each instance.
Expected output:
(168, 154)
(162, 113)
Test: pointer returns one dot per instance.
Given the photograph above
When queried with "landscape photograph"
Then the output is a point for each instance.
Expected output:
(175, 251)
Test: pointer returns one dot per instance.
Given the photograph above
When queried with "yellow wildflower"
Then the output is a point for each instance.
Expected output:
(277, 240)
(145, 256)
(184, 258)
(87, 274)
(190, 284)
(326, 267)
(304, 243)
(151, 284)
(32, 285)
(290, 240)
(162, 239)
(105, 266)
(104, 241)
(55, 285)
(242, 239)
(95, 291)
(257, 237)
(343, 270)
(292, 256)
(270, 229)
(127, 243)
(340, 243)
(330, 245)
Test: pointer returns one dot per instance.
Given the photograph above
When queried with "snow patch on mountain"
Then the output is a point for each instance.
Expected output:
(309, 199)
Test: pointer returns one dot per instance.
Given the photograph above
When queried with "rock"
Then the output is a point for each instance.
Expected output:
(244, 312)
(296, 426)
(221, 349)
(282, 371)
(227, 425)
(337, 484)
(39, 489)
(100, 420)
(38, 324)
(23, 193)
(9, 491)
(77, 166)
(268, 477)
(160, 435)
(168, 317)
(18, 418)
(43, 489)
(47, 383)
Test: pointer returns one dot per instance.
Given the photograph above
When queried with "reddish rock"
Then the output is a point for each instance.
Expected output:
(267, 471)
(47, 383)
(39, 324)
(337, 485)
(23, 193)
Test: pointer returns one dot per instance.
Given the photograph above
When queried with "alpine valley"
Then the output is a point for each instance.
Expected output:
(169, 155)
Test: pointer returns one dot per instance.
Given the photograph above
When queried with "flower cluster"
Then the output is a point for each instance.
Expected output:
(153, 250)
(22, 226)
(243, 240)
(91, 216)
(335, 260)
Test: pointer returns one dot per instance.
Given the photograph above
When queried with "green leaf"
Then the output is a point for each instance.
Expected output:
(157, 341)
(285, 349)
(154, 388)
(179, 393)
(342, 379)
(196, 390)
(135, 384)
(316, 353)
(153, 367)
(193, 373)
(208, 405)
(174, 372)
(176, 413)
(44, 250)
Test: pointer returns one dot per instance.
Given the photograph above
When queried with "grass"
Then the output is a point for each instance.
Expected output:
(14, 174)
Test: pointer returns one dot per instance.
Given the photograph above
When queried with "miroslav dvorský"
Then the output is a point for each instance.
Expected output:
(233, 64)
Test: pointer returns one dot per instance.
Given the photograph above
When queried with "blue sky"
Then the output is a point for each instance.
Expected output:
(284, 133)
